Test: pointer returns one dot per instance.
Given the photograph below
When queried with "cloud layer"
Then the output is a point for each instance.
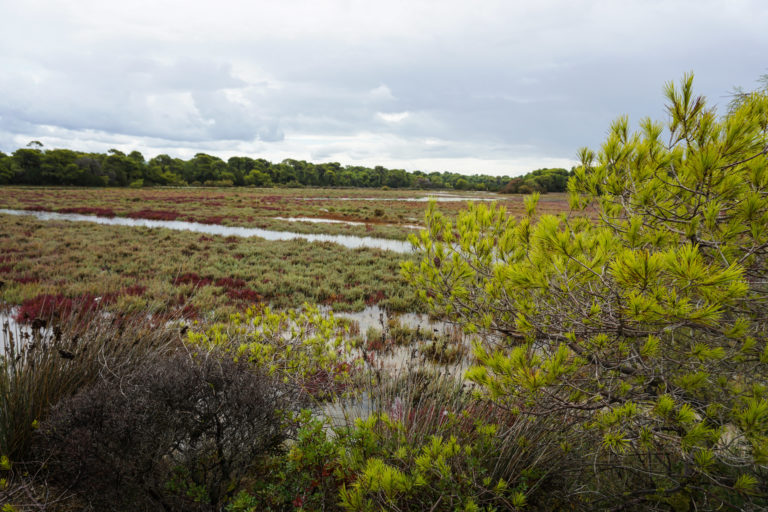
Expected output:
(494, 87)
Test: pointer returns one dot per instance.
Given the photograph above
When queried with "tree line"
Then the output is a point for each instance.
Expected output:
(34, 165)
(540, 180)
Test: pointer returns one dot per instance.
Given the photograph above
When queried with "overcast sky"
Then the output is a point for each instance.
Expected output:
(469, 86)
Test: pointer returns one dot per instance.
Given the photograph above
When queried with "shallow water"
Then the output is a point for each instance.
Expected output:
(423, 199)
(8, 327)
(349, 241)
(13, 332)
(374, 316)
(397, 358)
(319, 220)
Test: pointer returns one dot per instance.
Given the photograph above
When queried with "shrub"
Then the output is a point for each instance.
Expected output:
(20, 491)
(421, 443)
(40, 368)
(429, 445)
(305, 347)
(643, 333)
(308, 477)
(176, 434)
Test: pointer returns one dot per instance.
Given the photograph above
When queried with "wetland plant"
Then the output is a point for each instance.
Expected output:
(42, 367)
(177, 433)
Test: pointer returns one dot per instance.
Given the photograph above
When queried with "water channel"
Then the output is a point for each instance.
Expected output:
(349, 241)
(422, 199)
(320, 220)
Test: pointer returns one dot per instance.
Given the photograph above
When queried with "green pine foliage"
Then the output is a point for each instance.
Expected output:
(645, 331)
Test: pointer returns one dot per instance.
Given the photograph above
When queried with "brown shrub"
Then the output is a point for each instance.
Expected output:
(177, 434)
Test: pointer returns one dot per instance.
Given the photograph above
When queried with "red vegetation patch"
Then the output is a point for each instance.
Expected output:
(192, 278)
(236, 289)
(57, 307)
(333, 298)
(101, 212)
(135, 290)
(244, 295)
(204, 238)
(228, 282)
(375, 298)
(6, 269)
(26, 279)
(377, 344)
(188, 311)
(323, 382)
(179, 198)
(36, 208)
(154, 215)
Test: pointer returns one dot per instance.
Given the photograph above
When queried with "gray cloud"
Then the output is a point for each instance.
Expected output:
(495, 86)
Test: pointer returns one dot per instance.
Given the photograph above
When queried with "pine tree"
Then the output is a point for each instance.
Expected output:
(640, 318)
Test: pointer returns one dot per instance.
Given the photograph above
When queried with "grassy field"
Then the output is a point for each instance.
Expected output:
(383, 212)
(43, 263)
(156, 269)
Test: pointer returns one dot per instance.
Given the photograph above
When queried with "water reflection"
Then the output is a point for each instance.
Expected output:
(422, 199)
(349, 241)
(13, 335)
(319, 220)
(377, 317)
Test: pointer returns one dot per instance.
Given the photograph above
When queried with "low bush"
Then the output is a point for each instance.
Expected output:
(39, 367)
(308, 477)
(20, 491)
(426, 445)
(305, 346)
(176, 434)
(429, 444)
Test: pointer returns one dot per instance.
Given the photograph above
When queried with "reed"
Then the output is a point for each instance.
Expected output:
(43, 363)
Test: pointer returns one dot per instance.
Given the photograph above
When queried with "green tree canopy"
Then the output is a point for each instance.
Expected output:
(540, 180)
(6, 174)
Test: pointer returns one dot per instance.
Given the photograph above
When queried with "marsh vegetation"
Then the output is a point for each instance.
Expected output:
(608, 356)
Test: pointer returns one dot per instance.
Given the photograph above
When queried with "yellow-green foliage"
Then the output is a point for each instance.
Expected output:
(296, 344)
(646, 329)
(437, 472)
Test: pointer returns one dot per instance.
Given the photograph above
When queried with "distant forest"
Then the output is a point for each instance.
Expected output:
(34, 165)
